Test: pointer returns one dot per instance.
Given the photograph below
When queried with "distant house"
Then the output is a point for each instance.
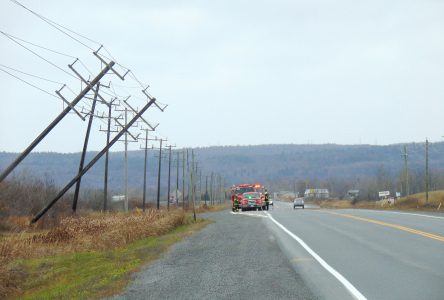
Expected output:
(352, 194)
(316, 193)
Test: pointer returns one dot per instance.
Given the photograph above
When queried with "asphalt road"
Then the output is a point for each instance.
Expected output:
(384, 255)
(234, 258)
(303, 254)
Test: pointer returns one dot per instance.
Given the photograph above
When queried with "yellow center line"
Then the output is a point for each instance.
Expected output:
(399, 227)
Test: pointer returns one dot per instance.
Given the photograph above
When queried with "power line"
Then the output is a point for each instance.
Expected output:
(35, 76)
(38, 46)
(57, 26)
(30, 84)
(38, 55)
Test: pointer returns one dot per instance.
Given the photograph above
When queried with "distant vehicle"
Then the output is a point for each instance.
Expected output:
(298, 202)
(270, 201)
(252, 200)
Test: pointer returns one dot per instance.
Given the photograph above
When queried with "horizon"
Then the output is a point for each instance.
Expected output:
(240, 146)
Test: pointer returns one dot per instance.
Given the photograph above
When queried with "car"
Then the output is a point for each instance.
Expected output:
(298, 202)
(270, 201)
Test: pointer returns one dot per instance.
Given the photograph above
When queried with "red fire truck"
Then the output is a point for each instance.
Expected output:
(248, 196)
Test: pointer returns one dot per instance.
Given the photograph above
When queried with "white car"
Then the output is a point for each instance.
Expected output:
(298, 202)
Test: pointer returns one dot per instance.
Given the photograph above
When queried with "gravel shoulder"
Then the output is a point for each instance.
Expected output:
(234, 258)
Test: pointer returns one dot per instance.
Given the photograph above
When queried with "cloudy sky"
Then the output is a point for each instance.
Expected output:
(233, 72)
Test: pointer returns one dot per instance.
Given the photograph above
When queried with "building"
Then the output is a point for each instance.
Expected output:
(316, 193)
(352, 194)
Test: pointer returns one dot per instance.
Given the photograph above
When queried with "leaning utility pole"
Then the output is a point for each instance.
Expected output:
(54, 123)
(406, 171)
(427, 171)
(85, 148)
(91, 163)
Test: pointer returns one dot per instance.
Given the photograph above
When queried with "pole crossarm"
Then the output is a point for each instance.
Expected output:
(162, 109)
(87, 83)
(68, 103)
(153, 128)
(121, 125)
(91, 163)
(54, 123)
(122, 77)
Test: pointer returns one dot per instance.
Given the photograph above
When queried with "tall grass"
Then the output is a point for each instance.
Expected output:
(96, 231)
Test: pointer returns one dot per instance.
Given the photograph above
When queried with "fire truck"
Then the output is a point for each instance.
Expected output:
(249, 196)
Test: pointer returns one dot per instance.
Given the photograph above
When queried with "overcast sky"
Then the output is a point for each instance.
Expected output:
(236, 72)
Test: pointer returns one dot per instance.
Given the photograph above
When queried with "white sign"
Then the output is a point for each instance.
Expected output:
(384, 193)
(117, 198)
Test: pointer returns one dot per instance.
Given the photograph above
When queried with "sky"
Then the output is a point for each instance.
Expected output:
(232, 72)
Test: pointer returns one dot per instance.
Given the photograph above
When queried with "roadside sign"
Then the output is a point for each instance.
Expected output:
(384, 193)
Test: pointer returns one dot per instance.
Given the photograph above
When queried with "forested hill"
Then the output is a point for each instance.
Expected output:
(271, 164)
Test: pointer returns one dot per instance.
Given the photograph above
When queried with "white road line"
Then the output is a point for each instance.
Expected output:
(403, 213)
(245, 214)
(355, 293)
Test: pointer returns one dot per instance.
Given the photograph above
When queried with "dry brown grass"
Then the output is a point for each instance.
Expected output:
(96, 231)
(412, 202)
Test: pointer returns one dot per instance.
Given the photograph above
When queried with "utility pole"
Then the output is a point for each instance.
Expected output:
(158, 172)
(192, 185)
(125, 141)
(406, 171)
(177, 180)
(145, 166)
(85, 148)
(206, 189)
(200, 187)
(151, 128)
(189, 189)
(427, 171)
(211, 190)
(126, 161)
(183, 179)
(169, 176)
(108, 133)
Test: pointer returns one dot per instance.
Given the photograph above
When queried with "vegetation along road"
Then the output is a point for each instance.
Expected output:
(303, 254)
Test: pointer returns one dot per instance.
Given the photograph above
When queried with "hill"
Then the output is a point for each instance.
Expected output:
(279, 166)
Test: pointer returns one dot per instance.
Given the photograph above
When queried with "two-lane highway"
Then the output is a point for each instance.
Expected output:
(310, 253)
(384, 255)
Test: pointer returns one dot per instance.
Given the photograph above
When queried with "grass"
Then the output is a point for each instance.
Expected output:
(86, 256)
(94, 274)
(412, 202)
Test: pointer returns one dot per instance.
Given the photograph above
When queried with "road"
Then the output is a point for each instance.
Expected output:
(312, 254)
